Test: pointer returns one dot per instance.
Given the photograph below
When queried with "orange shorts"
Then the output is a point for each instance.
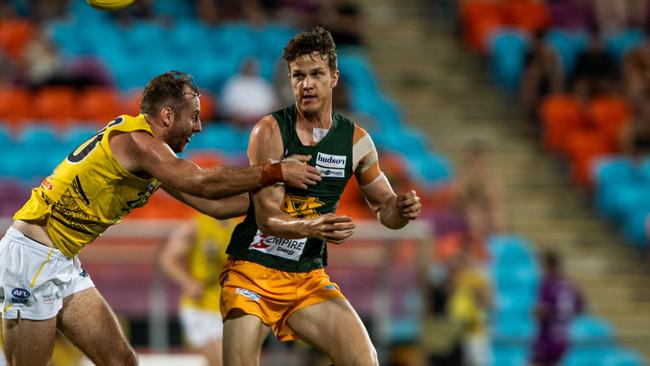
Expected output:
(271, 294)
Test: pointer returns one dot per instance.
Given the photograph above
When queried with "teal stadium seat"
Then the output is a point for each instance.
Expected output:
(589, 330)
(568, 45)
(619, 44)
(507, 50)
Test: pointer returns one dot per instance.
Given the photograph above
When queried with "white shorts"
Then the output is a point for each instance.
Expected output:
(201, 326)
(35, 278)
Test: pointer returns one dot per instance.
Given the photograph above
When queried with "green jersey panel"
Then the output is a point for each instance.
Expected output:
(333, 157)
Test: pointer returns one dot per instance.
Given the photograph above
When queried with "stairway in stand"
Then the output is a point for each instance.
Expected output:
(445, 91)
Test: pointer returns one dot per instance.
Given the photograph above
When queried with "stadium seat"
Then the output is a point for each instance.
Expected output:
(507, 49)
(56, 104)
(511, 330)
(635, 228)
(479, 19)
(560, 115)
(568, 45)
(609, 114)
(622, 357)
(583, 148)
(176, 9)
(15, 106)
(588, 330)
(130, 102)
(509, 355)
(506, 249)
(619, 44)
(14, 35)
(98, 104)
(77, 134)
(528, 15)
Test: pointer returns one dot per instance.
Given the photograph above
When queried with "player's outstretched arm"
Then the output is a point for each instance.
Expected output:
(393, 211)
(140, 152)
(221, 209)
(266, 144)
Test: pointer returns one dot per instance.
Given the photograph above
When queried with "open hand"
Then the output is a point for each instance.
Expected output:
(297, 173)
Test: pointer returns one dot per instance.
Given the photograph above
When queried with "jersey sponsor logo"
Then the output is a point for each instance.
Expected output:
(46, 184)
(301, 207)
(48, 299)
(248, 293)
(280, 247)
(20, 295)
(330, 287)
(330, 161)
(331, 173)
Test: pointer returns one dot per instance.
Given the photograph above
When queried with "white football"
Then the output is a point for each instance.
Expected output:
(109, 4)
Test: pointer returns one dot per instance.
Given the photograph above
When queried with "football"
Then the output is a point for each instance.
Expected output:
(109, 4)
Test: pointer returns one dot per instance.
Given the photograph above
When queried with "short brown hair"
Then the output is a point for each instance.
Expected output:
(318, 40)
(166, 89)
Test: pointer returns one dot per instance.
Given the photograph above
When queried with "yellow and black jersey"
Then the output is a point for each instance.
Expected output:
(89, 190)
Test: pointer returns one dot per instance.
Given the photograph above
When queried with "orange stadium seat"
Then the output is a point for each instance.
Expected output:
(479, 19)
(56, 104)
(609, 114)
(560, 115)
(15, 106)
(131, 102)
(583, 147)
(98, 105)
(14, 35)
(528, 15)
(208, 106)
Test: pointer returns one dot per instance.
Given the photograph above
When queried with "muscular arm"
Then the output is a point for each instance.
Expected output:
(174, 258)
(393, 211)
(221, 209)
(266, 143)
(141, 152)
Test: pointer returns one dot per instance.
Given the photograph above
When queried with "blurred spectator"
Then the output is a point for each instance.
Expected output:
(441, 335)
(635, 136)
(44, 65)
(595, 72)
(478, 197)
(247, 97)
(139, 10)
(543, 75)
(216, 11)
(469, 305)
(636, 71)
(343, 18)
(46, 10)
(572, 15)
(282, 85)
(616, 16)
(558, 302)
(42, 61)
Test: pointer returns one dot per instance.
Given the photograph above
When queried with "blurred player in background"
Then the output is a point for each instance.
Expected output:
(42, 285)
(274, 277)
(559, 301)
(193, 257)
